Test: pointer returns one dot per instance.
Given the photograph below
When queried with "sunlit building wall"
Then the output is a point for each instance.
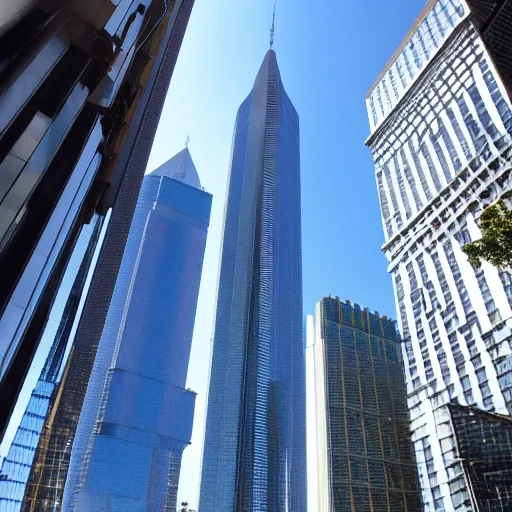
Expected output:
(441, 125)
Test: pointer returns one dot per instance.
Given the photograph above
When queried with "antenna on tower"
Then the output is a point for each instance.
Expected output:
(273, 29)
(187, 141)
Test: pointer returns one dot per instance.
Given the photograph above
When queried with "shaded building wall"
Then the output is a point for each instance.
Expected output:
(17, 463)
(135, 127)
(365, 457)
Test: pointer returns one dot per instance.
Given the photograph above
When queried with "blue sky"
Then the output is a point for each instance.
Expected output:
(329, 53)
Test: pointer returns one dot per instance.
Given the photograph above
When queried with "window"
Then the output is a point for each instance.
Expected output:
(481, 375)
(465, 383)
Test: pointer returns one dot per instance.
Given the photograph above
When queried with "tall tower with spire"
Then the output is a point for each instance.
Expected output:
(137, 414)
(254, 454)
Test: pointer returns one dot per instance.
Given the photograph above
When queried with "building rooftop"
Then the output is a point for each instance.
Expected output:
(419, 20)
(180, 167)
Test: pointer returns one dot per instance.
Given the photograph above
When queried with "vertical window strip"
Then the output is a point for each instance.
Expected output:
(442, 155)
(480, 110)
(401, 186)
(409, 58)
(386, 93)
(455, 161)
(430, 165)
(463, 142)
(402, 162)
(424, 47)
(384, 204)
(394, 85)
(379, 99)
(392, 195)
(400, 72)
(419, 171)
(457, 276)
(442, 278)
(478, 136)
(374, 111)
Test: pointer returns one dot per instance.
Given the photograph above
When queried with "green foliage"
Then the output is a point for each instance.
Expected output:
(495, 246)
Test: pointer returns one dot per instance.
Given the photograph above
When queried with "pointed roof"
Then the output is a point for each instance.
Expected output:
(268, 67)
(180, 167)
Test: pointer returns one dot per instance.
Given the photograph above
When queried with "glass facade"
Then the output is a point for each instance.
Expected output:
(137, 415)
(254, 454)
(365, 460)
(484, 442)
(18, 462)
(443, 153)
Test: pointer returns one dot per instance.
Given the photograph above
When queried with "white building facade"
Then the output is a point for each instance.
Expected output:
(441, 125)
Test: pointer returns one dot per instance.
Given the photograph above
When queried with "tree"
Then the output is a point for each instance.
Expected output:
(495, 246)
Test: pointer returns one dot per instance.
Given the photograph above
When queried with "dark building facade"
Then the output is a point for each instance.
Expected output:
(364, 459)
(82, 86)
(254, 454)
(484, 442)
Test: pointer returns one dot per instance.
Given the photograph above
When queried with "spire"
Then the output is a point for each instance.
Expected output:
(273, 29)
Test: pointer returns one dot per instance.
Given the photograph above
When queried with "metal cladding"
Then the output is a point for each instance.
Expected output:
(441, 126)
(82, 88)
(254, 454)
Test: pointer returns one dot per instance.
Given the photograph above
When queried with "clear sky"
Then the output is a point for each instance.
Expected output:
(329, 53)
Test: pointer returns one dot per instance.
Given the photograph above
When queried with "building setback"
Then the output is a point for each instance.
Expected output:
(137, 415)
(361, 447)
(255, 443)
(441, 125)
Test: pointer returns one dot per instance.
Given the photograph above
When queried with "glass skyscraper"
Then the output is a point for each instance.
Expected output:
(362, 456)
(441, 125)
(254, 454)
(137, 415)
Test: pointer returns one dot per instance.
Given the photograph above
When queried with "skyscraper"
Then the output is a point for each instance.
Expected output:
(441, 125)
(254, 451)
(363, 456)
(137, 415)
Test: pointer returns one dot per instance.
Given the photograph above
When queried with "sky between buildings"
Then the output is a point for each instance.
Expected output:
(329, 53)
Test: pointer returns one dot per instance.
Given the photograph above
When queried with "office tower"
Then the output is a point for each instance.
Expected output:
(137, 415)
(82, 84)
(254, 453)
(62, 321)
(441, 125)
(364, 458)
